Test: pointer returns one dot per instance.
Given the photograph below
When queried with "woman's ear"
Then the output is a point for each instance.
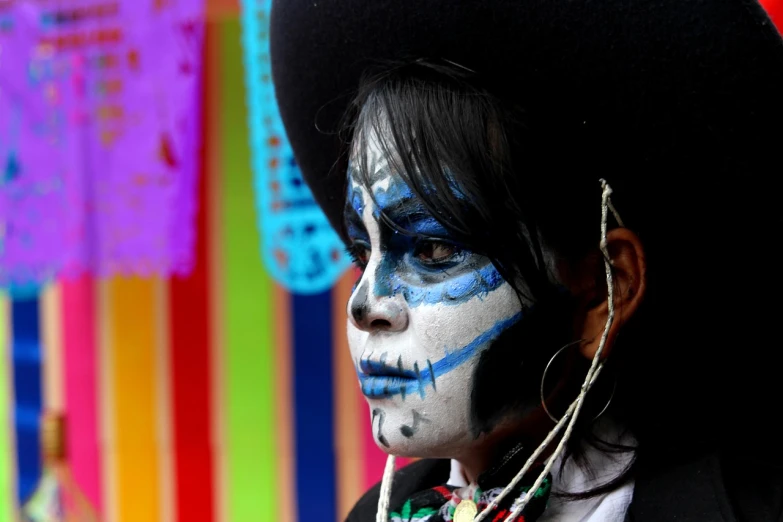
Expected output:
(629, 275)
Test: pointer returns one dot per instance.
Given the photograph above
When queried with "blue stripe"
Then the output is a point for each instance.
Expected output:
(313, 399)
(26, 356)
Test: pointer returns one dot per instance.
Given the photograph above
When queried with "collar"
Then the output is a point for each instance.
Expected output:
(569, 478)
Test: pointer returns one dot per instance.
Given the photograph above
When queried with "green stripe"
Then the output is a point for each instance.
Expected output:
(6, 491)
(251, 490)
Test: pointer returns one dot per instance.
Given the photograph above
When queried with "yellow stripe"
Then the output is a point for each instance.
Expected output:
(133, 340)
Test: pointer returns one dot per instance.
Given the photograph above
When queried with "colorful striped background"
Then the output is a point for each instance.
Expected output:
(216, 397)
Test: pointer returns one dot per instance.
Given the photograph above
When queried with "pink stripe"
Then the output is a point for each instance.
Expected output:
(374, 459)
(81, 397)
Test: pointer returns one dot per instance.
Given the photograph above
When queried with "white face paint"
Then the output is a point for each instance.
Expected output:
(419, 319)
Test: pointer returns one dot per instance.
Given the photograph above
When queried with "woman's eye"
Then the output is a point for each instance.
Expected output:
(360, 253)
(363, 255)
(432, 252)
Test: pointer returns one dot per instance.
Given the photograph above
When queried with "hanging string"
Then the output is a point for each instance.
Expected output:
(533, 457)
(385, 494)
(596, 364)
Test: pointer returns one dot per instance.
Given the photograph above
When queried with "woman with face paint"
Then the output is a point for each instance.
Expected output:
(563, 220)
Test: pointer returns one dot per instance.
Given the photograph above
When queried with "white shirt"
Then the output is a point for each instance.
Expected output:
(609, 507)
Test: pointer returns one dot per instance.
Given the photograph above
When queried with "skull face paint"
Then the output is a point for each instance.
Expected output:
(420, 317)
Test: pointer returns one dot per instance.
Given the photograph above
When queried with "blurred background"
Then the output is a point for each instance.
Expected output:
(172, 302)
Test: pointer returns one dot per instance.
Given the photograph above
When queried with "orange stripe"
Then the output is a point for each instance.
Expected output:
(106, 401)
(133, 340)
(284, 405)
(347, 414)
(164, 413)
(221, 9)
(51, 333)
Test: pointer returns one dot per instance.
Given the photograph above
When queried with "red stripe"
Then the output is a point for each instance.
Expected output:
(775, 11)
(190, 336)
(81, 385)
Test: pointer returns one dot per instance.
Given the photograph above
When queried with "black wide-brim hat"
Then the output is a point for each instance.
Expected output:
(677, 103)
(651, 84)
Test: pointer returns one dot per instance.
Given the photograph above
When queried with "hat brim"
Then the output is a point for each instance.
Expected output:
(627, 68)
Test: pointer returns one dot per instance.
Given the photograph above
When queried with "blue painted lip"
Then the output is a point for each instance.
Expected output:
(383, 369)
(384, 386)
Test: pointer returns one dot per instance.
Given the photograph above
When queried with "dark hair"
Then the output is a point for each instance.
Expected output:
(447, 123)
(530, 186)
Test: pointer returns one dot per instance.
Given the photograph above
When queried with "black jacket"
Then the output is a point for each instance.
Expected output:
(710, 489)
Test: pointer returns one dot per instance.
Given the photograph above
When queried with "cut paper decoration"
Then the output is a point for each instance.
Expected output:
(99, 137)
(299, 247)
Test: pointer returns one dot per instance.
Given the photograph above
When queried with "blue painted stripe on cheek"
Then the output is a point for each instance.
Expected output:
(383, 386)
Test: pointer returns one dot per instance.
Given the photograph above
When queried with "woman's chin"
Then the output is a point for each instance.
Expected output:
(403, 448)
(421, 447)
(425, 426)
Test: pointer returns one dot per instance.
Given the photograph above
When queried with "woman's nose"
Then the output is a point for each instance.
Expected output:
(373, 314)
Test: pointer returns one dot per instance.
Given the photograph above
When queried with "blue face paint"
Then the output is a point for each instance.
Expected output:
(379, 379)
(353, 215)
(460, 277)
(424, 297)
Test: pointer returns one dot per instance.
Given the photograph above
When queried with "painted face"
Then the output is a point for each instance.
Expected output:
(420, 318)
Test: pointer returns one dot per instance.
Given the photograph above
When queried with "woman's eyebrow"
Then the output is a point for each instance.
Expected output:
(404, 207)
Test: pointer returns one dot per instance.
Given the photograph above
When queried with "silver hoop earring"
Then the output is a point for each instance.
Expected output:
(543, 379)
